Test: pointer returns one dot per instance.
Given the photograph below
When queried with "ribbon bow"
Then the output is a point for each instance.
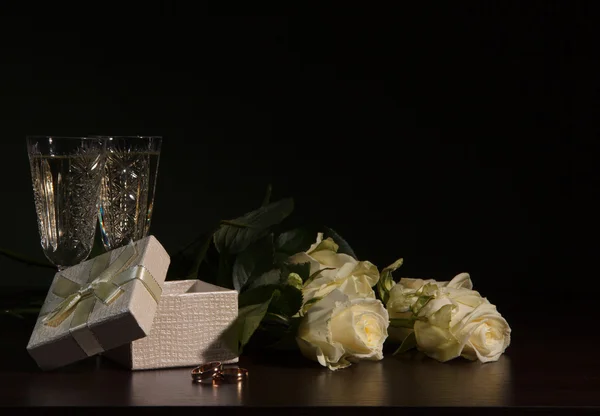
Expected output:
(104, 284)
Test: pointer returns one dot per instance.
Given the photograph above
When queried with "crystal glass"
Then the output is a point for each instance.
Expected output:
(128, 185)
(66, 173)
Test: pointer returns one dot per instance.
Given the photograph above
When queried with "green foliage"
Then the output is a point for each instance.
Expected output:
(272, 277)
(403, 323)
(316, 274)
(309, 304)
(247, 322)
(386, 281)
(277, 334)
(409, 343)
(256, 295)
(225, 271)
(267, 198)
(420, 303)
(301, 269)
(98, 246)
(253, 262)
(294, 279)
(286, 301)
(343, 246)
(275, 303)
(186, 263)
(20, 312)
(294, 241)
(24, 259)
(252, 226)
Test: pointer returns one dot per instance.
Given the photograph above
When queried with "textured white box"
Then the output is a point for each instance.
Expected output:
(190, 319)
(128, 318)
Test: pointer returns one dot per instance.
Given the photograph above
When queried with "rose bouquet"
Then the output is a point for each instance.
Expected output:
(307, 289)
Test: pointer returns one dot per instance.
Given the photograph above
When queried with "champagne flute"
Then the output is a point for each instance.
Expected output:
(128, 187)
(66, 174)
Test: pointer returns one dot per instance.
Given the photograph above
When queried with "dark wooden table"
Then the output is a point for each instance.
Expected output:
(542, 371)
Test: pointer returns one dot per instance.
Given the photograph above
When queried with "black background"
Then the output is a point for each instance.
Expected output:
(460, 138)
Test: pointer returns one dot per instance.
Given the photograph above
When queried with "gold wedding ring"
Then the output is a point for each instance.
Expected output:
(214, 373)
(206, 372)
(232, 375)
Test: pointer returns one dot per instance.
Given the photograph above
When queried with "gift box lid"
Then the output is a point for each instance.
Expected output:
(100, 304)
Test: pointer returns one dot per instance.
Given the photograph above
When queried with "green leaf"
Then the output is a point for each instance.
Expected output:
(233, 239)
(386, 281)
(98, 247)
(403, 323)
(253, 262)
(256, 295)
(286, 300)
(294, 241)
(248, 320)
(286, 341)
(209, 267)
(234, 224)
(344, 247)
(271, 330)
(294, 279)
(10, 312)
(315, 274)
(20, 312)
(420, 303)
(272, 277)
(23, 259)
(280, 259)
(274, 318)
(224, 276)
(409, 343)
(267, 198)
(393, 267)
(185, 264)
(309, 304)
(302, 269)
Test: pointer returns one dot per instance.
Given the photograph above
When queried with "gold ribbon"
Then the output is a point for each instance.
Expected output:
(104, 284)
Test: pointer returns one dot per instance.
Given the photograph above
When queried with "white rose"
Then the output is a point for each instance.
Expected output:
(339, 330)
(323, 255)
(402, 299)
(354, 279)
(451, 319)
(457, 329)
(406, 292)
(337, 271)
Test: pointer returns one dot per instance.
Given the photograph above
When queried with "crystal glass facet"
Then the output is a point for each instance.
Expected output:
(66, 173)
(128, 186)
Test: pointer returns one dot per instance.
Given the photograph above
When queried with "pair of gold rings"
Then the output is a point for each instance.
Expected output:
(214, 373)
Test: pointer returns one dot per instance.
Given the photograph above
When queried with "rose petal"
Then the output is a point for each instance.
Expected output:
(330, 258)
(461, 281)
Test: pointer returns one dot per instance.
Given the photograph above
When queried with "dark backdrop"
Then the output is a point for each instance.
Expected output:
(459, 139)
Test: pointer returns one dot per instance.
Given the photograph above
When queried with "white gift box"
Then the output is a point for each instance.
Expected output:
(191, 317)
(100, 304)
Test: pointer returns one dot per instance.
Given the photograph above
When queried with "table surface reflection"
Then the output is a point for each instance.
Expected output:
(532, 373)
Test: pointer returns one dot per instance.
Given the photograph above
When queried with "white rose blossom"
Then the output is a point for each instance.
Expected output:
(404, 294)
(453, 321)
(339, 330)
(337, 270)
